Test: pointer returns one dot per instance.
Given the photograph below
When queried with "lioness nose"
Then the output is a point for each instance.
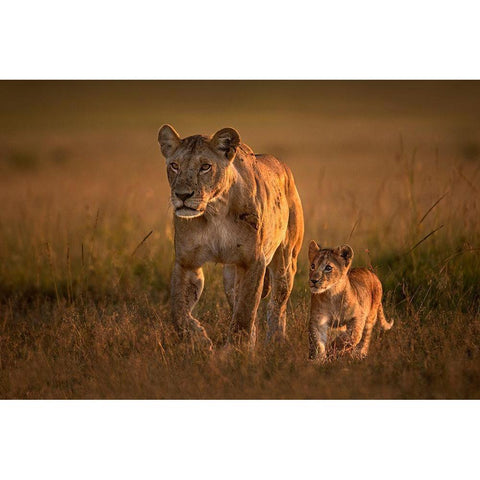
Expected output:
(183, 196)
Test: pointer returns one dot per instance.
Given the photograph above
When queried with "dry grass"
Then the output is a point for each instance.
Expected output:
(84, 301)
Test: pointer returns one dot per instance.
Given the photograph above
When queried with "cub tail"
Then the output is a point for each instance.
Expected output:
(385, 324)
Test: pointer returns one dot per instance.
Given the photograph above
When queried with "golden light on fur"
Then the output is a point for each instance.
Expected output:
(342, 297)
(251, 221)
(89, 316)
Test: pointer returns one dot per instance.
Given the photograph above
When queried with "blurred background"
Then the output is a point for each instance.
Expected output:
(366, 153)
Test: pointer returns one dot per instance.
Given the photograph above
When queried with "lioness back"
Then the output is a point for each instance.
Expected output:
(266, 187)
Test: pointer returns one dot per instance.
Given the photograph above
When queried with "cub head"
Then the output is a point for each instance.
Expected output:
(198, 168)
(328, 266)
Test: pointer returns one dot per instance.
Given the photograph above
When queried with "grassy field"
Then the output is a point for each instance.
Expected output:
(84, 301)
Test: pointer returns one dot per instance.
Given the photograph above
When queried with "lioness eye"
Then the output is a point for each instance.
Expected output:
(205, 167)
(312, 266)
(328, 268)
(174, 166)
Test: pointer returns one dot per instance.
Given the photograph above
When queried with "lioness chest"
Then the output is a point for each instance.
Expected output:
(226, 240)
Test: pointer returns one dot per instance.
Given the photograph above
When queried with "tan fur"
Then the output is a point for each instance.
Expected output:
(236, 208)
(342, 297)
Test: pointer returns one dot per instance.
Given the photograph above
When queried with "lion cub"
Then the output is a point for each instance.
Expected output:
(342, 297)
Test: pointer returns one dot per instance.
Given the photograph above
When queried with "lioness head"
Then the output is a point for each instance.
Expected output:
(197, 167)
(328, 266)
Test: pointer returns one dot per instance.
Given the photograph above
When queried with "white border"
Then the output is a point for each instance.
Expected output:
(247, 40)
(253, 39)
(239, 440)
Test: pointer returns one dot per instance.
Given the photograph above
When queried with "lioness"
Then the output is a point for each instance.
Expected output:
(342, 297)
(237, 208)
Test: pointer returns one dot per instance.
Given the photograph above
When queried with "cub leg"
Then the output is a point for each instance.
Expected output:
(367, 334)
(375, 313)
(318, 328)
(187, 287)
(351, 338)
(357, 327)
(248, 291)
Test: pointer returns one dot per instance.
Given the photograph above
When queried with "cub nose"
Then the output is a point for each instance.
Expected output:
(183, 196)
(314, 282)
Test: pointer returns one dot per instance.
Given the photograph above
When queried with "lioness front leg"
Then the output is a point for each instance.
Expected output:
(187, 287)
(229, 273)
(318, 329)
(247, 298)
(282, 284)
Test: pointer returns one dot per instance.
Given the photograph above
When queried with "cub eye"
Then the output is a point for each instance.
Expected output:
(205, 167)
(328, 268)
(312, 266)
(174, 167)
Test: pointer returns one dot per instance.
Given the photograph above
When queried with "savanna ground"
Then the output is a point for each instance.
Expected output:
(84, 302)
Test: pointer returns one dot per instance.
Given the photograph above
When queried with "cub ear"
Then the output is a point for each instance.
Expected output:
(346, 252)
(168, 139)
(226, 141)
(313, 249)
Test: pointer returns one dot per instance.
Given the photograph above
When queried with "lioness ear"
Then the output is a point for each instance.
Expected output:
(313, 249)
(226, 141)
(346, 252)
(168, 139)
